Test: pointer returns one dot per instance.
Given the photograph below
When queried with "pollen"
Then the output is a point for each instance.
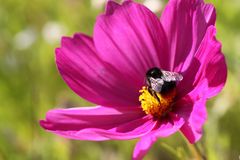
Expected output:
(158, 104)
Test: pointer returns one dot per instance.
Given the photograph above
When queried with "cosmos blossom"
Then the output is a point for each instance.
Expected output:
(109, 69)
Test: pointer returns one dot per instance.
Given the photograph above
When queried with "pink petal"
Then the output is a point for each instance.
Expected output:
(195, 115)
(111, 6)
(185, 23)
(163, 128)
(143, 146)
(169, 125)
(92, 78)
(98, 123)
(207, 73)
(131, 39)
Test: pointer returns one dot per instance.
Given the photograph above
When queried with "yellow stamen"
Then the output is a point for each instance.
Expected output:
(156, 106)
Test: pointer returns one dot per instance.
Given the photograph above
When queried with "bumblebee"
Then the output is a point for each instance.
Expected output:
(161, 81)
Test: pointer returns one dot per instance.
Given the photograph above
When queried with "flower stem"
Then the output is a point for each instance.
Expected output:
(203, 156)
(195, 151)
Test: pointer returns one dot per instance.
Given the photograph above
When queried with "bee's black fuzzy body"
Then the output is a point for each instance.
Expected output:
(161, 81)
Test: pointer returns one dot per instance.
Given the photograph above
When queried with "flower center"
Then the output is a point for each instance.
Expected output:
(156, 104)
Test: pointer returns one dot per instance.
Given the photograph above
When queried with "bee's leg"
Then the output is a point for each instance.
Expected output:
(154, 94)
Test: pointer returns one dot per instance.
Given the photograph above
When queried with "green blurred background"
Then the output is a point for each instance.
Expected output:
(30, 85)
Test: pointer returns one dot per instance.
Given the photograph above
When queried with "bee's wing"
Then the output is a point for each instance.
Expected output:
(156, 84)
(171, 76)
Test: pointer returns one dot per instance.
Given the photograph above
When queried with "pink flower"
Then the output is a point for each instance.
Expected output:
(110, 69)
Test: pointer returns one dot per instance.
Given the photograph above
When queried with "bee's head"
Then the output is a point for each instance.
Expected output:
(154, 73)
